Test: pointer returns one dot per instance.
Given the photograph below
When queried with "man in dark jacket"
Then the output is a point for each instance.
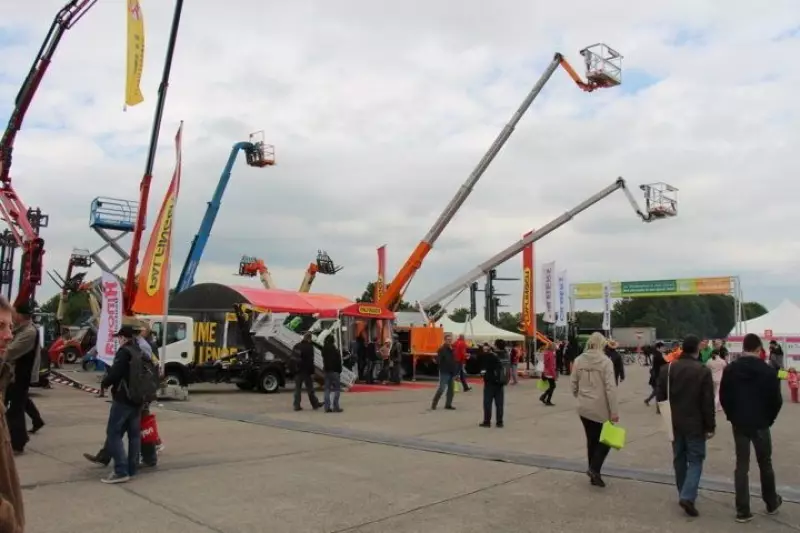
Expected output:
(23, 354)
(447, 373)
(775, 355)
(494, 382)
(332, 365)
(303, 353)
(125, 415)
(616, 359)
(657, 357)
(750, 394)
(691, 398)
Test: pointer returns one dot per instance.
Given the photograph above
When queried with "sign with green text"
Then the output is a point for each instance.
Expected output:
(652, 288)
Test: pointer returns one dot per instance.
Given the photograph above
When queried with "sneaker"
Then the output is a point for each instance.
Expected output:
(338, 410)
(485, 424)
(36, 428)
(160, 448)
(298, 408)
(596, 480)
(499, 425)
(550, 404)
(743, 518)
(449, 407)
(689, 508)
(328, 410)
(113, 479)
(774, 510)
(94, 459)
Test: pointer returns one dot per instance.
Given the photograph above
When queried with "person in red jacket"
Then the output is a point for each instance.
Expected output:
(460, 354)
(549, 375)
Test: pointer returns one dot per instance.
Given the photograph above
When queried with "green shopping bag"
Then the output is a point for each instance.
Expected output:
(542, 385)
(783, 374)
(613, 436)
(457, 386)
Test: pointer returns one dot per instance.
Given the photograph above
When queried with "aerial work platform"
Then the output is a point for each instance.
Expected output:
(112, 219)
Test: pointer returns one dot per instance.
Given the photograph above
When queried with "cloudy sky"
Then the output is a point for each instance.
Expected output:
(380, 110)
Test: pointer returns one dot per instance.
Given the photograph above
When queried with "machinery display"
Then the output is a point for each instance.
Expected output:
(257, 154)
(253, 266)
(23, 222)
(603, 70)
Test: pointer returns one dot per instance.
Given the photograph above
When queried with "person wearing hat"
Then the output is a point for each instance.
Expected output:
(124, 416)
(23, 354)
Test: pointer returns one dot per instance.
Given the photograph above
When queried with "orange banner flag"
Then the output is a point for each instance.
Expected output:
(380, 283)
(528, 291)
(152, 290)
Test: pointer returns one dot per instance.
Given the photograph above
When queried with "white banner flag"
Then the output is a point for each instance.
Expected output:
(607, 306)
(110, 318)
(547, 278)
(561, 317)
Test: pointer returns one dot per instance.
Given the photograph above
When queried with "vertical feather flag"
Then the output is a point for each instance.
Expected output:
(528, 291)
(153, 283)
(135, 54)
(380, 283)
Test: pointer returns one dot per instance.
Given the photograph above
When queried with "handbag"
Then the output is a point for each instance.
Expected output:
(666, 411)
(457, 386)
(542, 385)
(149, 429)
(612, 435)
(783, 374)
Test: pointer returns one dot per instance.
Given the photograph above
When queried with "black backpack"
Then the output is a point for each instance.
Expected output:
(143, 379)
(502, 370)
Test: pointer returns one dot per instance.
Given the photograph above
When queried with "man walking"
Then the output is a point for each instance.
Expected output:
(12, 512)
(460, 354)
(332, 363)
(750, 394)
(304, 362)
(23, 354)
(687, 383)
(447, 373)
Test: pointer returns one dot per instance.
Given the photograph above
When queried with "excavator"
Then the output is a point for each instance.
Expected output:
(252, 266)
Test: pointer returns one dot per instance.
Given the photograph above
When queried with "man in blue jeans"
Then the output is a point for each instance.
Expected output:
(447, 373)
(125, 416)
(691, 397)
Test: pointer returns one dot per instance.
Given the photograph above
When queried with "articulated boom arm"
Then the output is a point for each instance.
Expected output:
(324, 265)
(12, 208)
(652, 213)
(258, 155)
(251, 266)
(603, 69)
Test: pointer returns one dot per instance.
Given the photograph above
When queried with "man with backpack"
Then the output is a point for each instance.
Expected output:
(497, 372)
(133, 380)
(303, 353)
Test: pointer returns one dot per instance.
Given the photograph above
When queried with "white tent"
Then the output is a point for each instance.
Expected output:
(783, 321)
(449, 326)
(480, 330)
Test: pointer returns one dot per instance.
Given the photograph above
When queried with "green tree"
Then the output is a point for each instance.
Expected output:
(752, 310)
(459, 314)
(509, 321)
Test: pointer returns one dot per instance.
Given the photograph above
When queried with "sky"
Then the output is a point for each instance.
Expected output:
(379, 111)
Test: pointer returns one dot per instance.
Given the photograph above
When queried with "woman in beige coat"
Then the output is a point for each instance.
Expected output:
(593, 385)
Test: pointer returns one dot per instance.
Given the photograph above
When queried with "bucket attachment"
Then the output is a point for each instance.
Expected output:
(260, 154)
(251, 266)
(661, 200)
(603, 66)
(81, 258)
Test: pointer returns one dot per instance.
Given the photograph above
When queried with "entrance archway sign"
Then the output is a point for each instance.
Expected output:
(729, 285)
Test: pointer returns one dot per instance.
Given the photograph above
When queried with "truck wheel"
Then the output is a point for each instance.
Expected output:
(173, 378)
(71, 355)
(269, 382)
(245, 386)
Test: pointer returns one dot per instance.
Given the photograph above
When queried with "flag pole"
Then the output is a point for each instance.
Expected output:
(147, 178)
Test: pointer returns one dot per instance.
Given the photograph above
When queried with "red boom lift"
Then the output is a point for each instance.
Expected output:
(24, 223)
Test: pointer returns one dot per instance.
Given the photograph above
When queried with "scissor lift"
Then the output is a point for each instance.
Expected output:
(112, 219)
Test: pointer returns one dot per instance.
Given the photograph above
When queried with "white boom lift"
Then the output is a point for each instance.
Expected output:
(660, 202)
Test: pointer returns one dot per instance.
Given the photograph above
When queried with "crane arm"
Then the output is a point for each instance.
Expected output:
(308, 279)
(464, 281)
(200, 240)
(397, 287)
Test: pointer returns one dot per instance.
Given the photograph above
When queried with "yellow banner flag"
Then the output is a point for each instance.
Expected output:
(133, 94)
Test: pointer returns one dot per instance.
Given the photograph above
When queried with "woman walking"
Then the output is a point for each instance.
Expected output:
(717, 365)
(594, 386)
(549, 375)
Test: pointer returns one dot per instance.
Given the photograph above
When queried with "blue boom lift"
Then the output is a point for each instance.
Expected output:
(258, 155)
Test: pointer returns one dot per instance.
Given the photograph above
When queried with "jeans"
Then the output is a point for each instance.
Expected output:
(445, 382)
(124, 418)
(548, 394)
(762, 444)
(462, 376)
(493, 393)
(514, 369)
(688, 456)
(300, 380)
(596, 451)
(332, 384)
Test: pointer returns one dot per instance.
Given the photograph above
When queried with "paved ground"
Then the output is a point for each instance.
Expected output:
(244, 462)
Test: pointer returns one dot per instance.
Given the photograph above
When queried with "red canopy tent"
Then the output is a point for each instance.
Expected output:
(301, 303)
(367, 310)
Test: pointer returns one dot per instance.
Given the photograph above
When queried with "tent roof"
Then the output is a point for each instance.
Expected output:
(450, 326)
(479, 329)
(301, 303)
(783, 320)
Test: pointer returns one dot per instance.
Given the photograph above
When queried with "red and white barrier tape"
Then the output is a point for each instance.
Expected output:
(58, 377)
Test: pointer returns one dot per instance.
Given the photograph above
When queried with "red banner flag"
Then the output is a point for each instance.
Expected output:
(153, 283)
(380, 284)
(528, 291)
